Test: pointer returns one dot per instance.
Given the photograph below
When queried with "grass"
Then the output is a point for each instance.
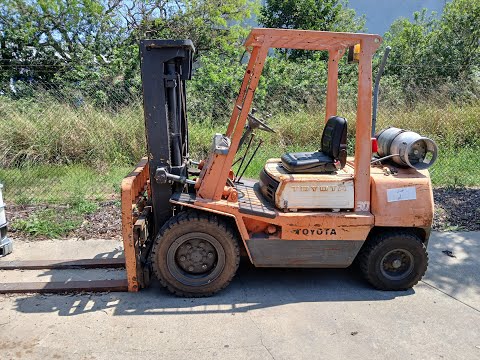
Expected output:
(456, 168)
(64, 157)
(55, 222)
(64, 184)
(46, 131)
(61, 195)
(51, 152)
(72, 192)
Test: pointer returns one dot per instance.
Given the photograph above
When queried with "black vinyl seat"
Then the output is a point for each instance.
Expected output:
(334, 148)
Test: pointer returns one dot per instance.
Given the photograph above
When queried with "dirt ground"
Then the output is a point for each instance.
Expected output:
(105, 223)
(455, 210)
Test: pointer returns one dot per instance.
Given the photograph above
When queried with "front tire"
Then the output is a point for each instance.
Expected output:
(393, 260)
(195, 254)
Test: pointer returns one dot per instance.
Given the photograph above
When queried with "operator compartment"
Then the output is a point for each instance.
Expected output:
(291, 192)
(312, 180)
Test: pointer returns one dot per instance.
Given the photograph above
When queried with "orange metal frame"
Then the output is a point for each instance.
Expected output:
(133, 186)
(214, 175)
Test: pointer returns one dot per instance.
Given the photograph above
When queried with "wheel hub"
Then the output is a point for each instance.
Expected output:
(196, 256)
(397, 264)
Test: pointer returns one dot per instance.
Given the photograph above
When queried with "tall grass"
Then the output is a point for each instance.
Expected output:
(37, 136)
(50, 132)
(46, 131)
(52, 184)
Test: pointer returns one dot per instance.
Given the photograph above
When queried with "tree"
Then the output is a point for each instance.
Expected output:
(411, 42)
(457, 39)
(433, 52)
(41, 37)
(208, 23)
(98, 39)
(324, 15)
(212, 25)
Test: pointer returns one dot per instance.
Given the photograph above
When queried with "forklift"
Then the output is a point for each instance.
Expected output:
(188, 222)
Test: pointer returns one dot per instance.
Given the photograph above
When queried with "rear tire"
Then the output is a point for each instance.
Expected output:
(394, 260)
(195, 254)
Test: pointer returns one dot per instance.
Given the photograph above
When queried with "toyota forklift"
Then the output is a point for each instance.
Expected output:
(188, 221)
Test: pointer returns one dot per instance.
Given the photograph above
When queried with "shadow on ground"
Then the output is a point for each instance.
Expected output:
(260, 288)
(251, 289)
(459, 274)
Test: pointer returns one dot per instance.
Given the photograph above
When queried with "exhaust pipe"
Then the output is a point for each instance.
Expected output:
(377, 86)
(407, 148)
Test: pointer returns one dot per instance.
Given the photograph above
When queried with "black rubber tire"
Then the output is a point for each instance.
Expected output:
(379, 245)
(189, 222)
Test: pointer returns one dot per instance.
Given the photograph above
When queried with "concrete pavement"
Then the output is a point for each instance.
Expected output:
(263, 314)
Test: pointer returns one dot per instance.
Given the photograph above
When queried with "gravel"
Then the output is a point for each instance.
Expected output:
(457, 209)
(105, 223)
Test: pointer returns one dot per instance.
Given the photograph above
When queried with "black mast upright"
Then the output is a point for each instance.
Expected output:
(165, 65)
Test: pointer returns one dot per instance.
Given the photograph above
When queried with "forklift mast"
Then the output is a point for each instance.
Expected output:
(165, 65)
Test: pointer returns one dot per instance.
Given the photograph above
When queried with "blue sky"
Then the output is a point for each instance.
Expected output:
(381, 13)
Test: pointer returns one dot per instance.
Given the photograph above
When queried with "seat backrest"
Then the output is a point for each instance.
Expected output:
(334, 138)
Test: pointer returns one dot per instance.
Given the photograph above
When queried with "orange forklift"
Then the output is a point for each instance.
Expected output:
(188, 222)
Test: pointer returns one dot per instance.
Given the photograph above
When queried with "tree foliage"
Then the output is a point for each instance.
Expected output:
(434, 52)
(99, 38)
(80, 44)
(208, 23)
(457, 39)
(43, 36)
(324, 15)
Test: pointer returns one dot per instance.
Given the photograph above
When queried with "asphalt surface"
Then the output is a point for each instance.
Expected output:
(263, 314)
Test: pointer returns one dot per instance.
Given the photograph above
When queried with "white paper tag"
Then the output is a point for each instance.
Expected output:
(401, 194)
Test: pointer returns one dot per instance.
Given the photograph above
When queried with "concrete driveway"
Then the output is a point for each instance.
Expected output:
(263, 314)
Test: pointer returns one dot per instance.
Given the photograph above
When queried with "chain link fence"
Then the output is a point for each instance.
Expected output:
(65, 143)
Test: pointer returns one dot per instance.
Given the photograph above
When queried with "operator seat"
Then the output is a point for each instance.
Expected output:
(334, 148)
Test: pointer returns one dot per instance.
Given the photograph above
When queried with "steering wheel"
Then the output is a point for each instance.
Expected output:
(256, 123)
